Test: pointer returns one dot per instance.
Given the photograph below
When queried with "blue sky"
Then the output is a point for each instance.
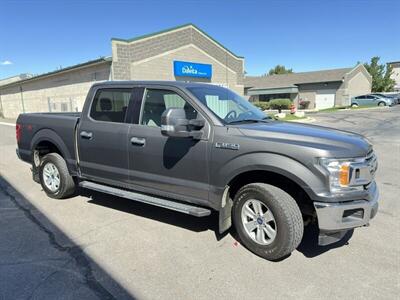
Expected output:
(40, 36)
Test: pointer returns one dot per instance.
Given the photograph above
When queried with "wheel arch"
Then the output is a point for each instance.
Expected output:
(48, 137)
(277, 179)
(286, 173)
(271, 163)
(52, 141)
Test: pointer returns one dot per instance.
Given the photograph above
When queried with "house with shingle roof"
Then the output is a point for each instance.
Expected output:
(320, 89)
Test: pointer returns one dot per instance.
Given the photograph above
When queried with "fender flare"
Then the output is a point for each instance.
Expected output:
(275, 163)
(51, 136)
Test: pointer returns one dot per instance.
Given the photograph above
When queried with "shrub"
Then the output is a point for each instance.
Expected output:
(262, 105)
(280, 104)
(304, 104)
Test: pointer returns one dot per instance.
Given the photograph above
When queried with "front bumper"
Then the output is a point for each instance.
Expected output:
(334, 219)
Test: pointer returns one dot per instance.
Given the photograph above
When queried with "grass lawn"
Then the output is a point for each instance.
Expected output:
(290, 117)
(332, 109)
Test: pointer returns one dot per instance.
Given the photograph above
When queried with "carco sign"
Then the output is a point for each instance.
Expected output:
(191, 69)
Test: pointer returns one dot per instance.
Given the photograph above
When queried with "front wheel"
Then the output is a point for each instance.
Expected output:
(54, 177)
(268, 220)
(381, 104)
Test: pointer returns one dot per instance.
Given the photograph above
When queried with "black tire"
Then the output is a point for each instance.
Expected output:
(381, 104)
(67, 185)
(354, 105)
(287, 215)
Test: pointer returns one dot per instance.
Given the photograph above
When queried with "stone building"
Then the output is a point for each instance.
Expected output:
(183, 53)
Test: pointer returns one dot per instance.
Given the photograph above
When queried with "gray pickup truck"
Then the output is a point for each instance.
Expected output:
(197, 148)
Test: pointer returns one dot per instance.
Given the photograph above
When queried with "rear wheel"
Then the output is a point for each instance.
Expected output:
(268, 220)
(54, 177)
(354, 105)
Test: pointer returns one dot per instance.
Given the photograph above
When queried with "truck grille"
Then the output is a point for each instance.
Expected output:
(371, 162)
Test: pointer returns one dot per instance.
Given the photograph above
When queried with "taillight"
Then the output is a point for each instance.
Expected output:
(18, 131)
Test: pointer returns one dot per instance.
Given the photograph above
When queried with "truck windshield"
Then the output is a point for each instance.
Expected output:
(226, 105)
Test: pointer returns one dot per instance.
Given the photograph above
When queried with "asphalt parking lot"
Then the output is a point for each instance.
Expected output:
(95, 246)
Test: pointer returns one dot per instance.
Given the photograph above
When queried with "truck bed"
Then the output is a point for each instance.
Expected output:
(56, 127)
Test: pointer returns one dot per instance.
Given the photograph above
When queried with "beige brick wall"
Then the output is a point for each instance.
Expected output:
(161, 68)
(60, 91)
(150, 50)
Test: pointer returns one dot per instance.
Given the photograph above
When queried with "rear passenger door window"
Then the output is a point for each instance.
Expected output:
(157, 101)
(110, 105)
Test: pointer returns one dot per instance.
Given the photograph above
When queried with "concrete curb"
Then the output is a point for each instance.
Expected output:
(7, 124)
(305, 120)
(349, 109)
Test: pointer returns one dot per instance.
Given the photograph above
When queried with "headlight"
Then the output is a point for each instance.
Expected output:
(345, 174)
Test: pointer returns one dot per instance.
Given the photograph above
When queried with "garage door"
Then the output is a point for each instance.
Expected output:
(324, 99)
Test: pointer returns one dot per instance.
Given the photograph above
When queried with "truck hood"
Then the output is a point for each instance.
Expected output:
(328, 141)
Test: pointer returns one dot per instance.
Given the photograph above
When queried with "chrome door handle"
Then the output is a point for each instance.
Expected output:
(86, 135)
(138, 141)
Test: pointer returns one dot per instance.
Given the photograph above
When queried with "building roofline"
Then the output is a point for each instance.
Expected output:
(172, 29)
(304, 72)
(393, 62)
(66, 69)
(18, 75)
(345, 72)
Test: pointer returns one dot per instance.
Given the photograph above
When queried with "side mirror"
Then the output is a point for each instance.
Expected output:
(175, 124)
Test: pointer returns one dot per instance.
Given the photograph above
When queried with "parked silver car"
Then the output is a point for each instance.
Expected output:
(394, 97)
(371, 100)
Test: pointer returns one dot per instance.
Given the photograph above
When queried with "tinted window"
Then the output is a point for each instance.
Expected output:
(110, 105)
(157, 101)
(227, 105)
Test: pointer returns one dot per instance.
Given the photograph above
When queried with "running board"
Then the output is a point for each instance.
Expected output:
(161, 202)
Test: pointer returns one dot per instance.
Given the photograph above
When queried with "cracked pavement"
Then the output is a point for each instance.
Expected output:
(95, 246)
(33, 264)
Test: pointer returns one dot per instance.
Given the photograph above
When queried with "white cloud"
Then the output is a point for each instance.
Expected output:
(6, 62)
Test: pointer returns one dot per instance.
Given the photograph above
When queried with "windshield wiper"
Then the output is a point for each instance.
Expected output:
(264, 120)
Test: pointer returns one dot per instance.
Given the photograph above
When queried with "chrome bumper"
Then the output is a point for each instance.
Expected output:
(335, 217)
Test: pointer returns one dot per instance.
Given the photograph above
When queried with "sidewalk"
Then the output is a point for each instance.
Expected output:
(10, 122)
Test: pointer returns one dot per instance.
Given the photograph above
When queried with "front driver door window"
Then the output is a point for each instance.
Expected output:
(157, 101)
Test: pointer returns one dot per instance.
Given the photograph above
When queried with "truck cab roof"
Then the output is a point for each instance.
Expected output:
(178, 84)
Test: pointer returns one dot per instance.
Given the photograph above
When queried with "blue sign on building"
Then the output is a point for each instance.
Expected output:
(191, 69)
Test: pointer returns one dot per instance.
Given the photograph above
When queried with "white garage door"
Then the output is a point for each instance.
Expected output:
(325, 99)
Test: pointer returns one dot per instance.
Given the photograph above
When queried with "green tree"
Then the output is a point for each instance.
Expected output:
(381, 81)
(279, 69)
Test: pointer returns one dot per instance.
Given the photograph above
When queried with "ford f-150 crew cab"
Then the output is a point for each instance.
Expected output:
(197, 148)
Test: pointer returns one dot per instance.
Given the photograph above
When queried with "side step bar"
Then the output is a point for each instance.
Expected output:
(161, 202)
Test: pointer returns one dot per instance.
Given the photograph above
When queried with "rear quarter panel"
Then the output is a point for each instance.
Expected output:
(57, 128)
